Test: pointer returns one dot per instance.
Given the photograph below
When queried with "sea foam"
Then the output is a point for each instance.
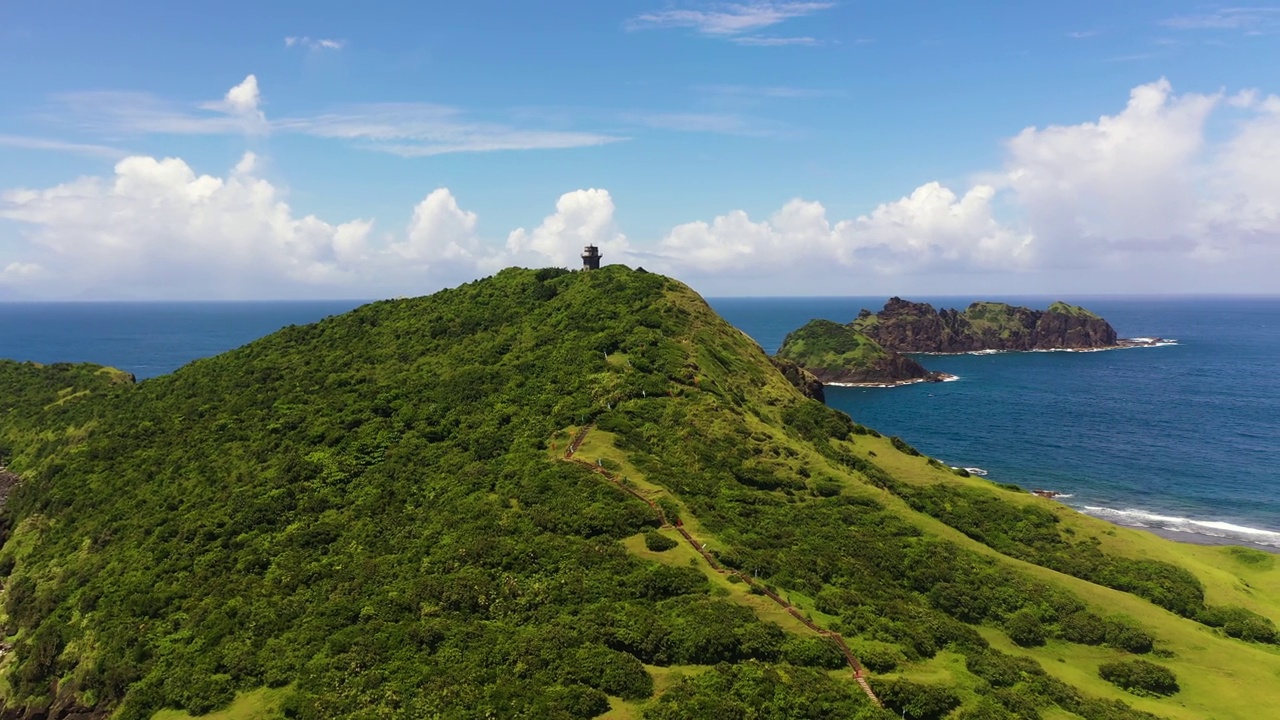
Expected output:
(1211, 528)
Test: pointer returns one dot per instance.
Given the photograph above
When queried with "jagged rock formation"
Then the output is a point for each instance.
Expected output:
(803, 380)
(905, 326)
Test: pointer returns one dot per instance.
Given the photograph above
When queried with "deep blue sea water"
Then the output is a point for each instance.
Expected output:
(146, 339)
(1183, 438)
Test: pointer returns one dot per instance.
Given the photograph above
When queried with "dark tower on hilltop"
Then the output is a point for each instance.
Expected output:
(591, 258)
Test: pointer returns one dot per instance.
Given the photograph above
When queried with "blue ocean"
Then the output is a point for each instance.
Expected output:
(1183, 439)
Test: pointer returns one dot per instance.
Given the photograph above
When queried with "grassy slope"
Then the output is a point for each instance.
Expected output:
(1062, 308)
(1211, 668)
(263, 704)
(1214, 670)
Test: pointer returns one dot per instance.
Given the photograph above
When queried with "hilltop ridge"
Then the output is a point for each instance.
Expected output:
(371, 516)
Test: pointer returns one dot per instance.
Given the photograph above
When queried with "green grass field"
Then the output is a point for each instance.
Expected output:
(262, 704)
(1221, 678)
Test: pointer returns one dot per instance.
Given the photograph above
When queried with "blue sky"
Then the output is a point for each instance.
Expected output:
(325, 149)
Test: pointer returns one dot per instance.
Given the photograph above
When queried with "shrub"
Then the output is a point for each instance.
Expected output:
(987, 709)
(879, 657)
(999, 669)
(579, 701)
(612, 672)
(1140, 677)
(1025, 629)
(1125, 634)
(1084, 628)
(826, 488)
(902, 446)
(655, 541)
(669, 508)
(812, 652)
(916, 700)
(1238, 622)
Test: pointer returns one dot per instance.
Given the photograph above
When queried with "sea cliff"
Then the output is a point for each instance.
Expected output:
(911, 327)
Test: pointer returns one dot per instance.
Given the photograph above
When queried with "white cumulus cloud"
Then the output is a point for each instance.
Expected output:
(932, 226)
(440, 231)
(582, 217)
(1147, 190)
(157, 227)
(1149, 179)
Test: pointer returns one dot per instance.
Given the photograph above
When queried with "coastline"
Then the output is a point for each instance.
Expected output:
(1191, 538)
(936, 378)
(1186, 530)
(1123, 344)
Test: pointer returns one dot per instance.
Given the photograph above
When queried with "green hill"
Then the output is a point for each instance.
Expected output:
(372, 516)
(836, 353)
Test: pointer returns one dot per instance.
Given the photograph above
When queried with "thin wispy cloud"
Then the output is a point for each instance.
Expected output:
(1084, 34)
(421, 130)
(38, 143)
(760, 41)
(1249, 20)
(737, 22)
(405, 129)
(116, 113)
(309, 43)
(708, 122)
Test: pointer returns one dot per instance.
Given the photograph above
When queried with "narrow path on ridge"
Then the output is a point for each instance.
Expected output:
(859, 673)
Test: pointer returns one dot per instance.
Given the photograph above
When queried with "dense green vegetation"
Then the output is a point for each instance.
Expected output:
(1033, 534)
(838, 353)
(369, 516)
(1140, 676)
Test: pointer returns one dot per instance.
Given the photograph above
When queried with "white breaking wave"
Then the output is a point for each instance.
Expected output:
(1138, 343)
(1212, 528)
(900, 383)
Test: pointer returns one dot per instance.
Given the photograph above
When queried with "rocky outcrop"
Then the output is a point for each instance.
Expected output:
(838, 354)
(8, 481)
(804, 381)
(905, 326)
(890, 368)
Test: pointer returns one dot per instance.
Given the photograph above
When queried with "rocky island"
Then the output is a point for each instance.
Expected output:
(870, 350)
(840, 355)
(911, 327)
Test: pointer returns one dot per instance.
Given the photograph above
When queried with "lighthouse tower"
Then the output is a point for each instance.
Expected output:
(591, 258)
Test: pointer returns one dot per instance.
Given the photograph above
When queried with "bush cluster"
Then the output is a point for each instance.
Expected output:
(1140, 677)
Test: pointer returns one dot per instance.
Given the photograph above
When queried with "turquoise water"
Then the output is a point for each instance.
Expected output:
(1183, 438)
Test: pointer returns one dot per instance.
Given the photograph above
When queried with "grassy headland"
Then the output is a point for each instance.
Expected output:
(369, 517)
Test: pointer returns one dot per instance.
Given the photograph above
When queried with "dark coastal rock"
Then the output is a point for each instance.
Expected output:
(803, 380)
(905, 326)
(8, 481)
